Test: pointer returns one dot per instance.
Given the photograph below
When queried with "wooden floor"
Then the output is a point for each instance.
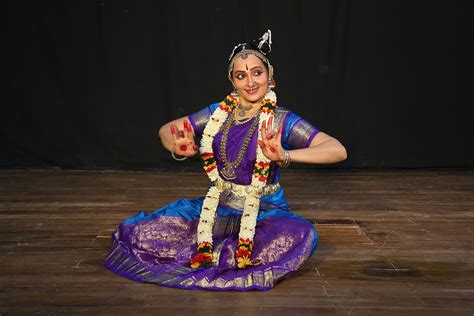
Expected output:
(391, 243)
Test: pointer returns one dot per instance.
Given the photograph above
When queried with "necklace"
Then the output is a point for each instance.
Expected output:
(261, 171)
(228, 170)
(243, 121)
(243, 109)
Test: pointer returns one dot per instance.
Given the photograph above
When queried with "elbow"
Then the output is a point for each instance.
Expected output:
(341, 154)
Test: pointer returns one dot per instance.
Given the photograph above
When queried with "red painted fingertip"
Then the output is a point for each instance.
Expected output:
(195, 147)
(280, 129)
(183, 147)
(264, 124)
(262, 144)
(172, 129)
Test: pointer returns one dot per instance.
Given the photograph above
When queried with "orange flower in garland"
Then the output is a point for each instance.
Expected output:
(244, 250)
(262, 170)
(243, 262)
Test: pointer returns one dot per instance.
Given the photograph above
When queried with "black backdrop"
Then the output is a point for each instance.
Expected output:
(90, 82)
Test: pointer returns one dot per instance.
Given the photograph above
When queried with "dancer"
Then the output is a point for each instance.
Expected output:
(241, 235)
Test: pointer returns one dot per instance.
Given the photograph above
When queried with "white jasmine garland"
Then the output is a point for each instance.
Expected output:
(252, 198)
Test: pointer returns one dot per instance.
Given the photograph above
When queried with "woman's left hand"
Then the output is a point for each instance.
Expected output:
(271, 141)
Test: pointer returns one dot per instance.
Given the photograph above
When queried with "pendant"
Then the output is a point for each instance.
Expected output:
(228, 172)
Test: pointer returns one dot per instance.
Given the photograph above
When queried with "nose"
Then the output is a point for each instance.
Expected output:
(250, 80)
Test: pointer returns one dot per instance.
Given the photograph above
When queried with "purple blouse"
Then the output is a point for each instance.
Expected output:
(297, 133)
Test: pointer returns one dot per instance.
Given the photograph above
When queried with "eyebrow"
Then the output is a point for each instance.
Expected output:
(236, 71)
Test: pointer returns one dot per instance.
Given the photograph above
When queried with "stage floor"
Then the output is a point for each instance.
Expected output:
(392, 242)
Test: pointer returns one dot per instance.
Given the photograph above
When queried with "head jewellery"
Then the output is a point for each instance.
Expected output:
(260, 48)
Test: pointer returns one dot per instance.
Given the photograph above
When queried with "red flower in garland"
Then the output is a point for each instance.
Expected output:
(201, 259)
(242, 253)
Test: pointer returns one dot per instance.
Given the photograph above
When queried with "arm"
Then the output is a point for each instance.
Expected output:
(323, 149)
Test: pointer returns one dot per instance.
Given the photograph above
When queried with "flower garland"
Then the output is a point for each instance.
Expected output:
(252, 199)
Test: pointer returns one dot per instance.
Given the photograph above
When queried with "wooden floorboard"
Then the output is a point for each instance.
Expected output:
(392, 242)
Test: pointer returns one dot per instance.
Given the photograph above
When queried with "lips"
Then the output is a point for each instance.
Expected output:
(253, 90)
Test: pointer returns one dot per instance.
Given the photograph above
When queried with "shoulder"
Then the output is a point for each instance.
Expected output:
(281, 115)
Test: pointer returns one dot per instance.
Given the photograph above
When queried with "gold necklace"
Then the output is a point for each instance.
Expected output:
(228, 170)
(243, 121)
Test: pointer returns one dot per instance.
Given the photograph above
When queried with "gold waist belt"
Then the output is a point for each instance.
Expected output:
(244, 190)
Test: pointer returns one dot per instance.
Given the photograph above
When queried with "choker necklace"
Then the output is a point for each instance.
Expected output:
(245, 120)
(243, 109)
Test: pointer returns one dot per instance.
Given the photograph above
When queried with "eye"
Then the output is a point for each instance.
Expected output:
(240, 76)
(257, 73)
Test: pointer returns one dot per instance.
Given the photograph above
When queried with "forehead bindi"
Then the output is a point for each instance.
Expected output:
(250, 62)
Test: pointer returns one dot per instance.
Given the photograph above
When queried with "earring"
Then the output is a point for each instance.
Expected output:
(271, 83)
(234, 93)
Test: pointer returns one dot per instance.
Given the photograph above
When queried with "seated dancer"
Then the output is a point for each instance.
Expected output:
(241, 235)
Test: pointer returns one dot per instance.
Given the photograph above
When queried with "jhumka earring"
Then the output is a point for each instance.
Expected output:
(234, 93)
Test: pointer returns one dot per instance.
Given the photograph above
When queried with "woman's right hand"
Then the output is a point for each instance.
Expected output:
(183, 140)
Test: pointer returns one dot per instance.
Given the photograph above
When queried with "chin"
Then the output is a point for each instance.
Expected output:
(254, 98)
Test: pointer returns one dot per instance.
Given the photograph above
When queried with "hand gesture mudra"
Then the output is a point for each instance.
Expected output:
(183, 144)
(271, 141)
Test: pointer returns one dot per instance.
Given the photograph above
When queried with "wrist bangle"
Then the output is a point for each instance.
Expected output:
(286, 160)
(178, 157)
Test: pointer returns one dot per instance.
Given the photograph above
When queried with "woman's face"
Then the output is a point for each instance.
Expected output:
(250, 79)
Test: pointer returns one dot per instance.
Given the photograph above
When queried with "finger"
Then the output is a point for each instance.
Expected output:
(173, 130)
(264, 130)
(271, 134)
(270, 123)
(195, 148)
(188, 130)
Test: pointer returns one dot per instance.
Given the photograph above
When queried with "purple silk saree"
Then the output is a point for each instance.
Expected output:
(157, 247)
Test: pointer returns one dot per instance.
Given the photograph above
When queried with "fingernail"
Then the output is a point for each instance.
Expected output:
(172, 129)
(183, 147)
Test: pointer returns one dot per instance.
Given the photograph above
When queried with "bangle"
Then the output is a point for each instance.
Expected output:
(286, 161)
(178, 157)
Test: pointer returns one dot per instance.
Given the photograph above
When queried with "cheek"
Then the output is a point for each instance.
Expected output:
(239, 84)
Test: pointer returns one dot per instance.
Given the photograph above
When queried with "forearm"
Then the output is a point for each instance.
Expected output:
(330, 151)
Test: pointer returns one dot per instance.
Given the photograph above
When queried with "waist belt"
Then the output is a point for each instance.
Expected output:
(244, 190)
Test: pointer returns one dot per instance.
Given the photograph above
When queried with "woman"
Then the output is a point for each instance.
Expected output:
(241, 235)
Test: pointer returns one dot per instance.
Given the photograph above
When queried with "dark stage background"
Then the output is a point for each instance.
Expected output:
(90, 82)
